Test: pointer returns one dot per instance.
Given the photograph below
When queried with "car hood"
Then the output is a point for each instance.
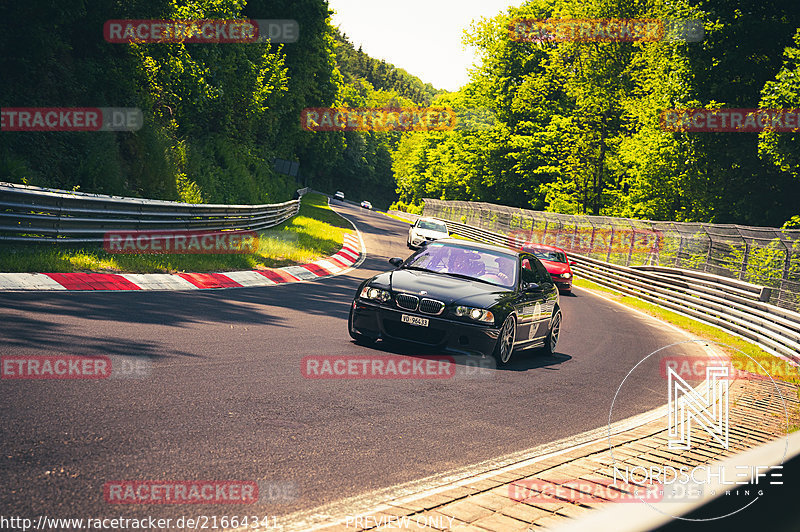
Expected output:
(445, 288)
(555, 268)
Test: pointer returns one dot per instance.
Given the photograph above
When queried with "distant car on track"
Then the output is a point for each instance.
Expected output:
(366, 205)
(339, 195)
(556, 261)
(459, 296)
(425, 230)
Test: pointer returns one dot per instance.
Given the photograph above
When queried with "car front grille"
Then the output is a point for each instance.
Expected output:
(407, 301)
(431, 306)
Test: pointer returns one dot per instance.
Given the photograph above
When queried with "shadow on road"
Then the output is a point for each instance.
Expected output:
(522, 360)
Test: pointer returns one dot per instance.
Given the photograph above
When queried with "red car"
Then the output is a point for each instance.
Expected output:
(556, 261)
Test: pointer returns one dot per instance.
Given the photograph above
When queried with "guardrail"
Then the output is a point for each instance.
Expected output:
(761, 255)
(733, 305)
(33, 214)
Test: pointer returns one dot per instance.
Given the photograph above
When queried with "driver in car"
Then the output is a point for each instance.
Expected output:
(466, 263)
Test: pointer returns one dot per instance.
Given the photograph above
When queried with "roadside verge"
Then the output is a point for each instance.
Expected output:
(346, 258)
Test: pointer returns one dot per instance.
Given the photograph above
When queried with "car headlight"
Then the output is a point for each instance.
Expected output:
(477, 314)
(375, 294)
(565, 275)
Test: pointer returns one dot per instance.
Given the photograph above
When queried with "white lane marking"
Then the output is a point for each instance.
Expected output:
(28, 281)
(249, 278)
(328, 265)
(159, 281)
(299, 272)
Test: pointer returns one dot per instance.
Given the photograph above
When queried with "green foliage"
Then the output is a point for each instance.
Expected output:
(215, 114)
(792, 223)
(578, 128)
(783, 149)
(567, 127)
(406, 207)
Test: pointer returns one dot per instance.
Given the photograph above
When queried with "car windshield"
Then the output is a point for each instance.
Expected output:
(549, 254)
(492, 267)
(432, 226)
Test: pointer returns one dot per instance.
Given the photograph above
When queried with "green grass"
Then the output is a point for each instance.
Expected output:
(779, 371)
(315, 232)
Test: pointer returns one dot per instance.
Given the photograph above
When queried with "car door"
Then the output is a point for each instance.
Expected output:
(534, 305)
(527, 298)
(549, 297)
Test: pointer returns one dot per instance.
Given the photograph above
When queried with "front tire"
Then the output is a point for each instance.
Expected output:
(504, 347)
(551, 342)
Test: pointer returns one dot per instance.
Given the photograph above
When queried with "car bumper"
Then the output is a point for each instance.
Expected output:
(377, 321)
(565, 285)
(417, 241)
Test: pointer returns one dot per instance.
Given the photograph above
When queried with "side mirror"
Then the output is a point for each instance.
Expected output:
(396, 261)
(572, 263)
(531, 287)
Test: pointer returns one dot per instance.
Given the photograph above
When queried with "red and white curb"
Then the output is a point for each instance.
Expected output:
(351, 253)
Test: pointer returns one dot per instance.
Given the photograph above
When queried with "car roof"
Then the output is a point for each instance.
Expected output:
(427, 219)
(542, 246)
(476, 245)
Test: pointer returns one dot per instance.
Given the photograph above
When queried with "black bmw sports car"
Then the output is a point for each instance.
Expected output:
(463, 297)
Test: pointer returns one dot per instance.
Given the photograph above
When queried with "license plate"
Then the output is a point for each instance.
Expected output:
(414, 320)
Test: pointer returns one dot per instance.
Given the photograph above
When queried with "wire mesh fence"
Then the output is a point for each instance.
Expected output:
(760, 255)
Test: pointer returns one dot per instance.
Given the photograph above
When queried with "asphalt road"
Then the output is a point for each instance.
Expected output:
(225, 398)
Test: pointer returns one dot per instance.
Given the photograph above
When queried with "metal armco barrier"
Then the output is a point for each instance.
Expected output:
(33, 214)
(762, 255)
(732, 305)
